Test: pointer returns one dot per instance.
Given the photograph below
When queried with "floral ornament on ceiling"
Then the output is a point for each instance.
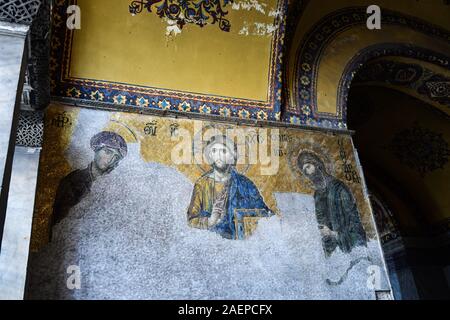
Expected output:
(420, 149)
(437, 88)
(199, 12)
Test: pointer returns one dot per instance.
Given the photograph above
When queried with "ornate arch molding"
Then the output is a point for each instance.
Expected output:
(294, 13)
(368, 54)
(410, 77)
(302, 98)
(431, 86)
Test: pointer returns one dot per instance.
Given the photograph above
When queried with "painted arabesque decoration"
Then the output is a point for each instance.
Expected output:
(199, 12)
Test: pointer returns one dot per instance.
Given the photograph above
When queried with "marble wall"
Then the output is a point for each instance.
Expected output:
(16, 237)
(12, 41)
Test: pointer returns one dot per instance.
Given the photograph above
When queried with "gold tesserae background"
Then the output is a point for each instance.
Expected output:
(114, 46)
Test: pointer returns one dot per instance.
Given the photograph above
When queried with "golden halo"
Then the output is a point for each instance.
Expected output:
(127, 129)
(203, 136)
(315, 148)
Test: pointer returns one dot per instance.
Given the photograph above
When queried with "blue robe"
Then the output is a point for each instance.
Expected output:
(244, 200)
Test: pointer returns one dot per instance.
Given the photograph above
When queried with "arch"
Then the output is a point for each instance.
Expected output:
(419, 79)
(371, 53)
(310, 102)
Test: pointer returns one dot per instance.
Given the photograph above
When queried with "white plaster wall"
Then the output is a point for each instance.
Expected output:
(130, 240)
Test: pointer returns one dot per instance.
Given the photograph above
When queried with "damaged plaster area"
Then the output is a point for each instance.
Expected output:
(257, 28)
(172, 29)
(130, 239)
(139, 246)
(250, 5)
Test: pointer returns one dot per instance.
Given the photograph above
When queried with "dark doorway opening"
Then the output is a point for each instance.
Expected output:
(403, 146)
